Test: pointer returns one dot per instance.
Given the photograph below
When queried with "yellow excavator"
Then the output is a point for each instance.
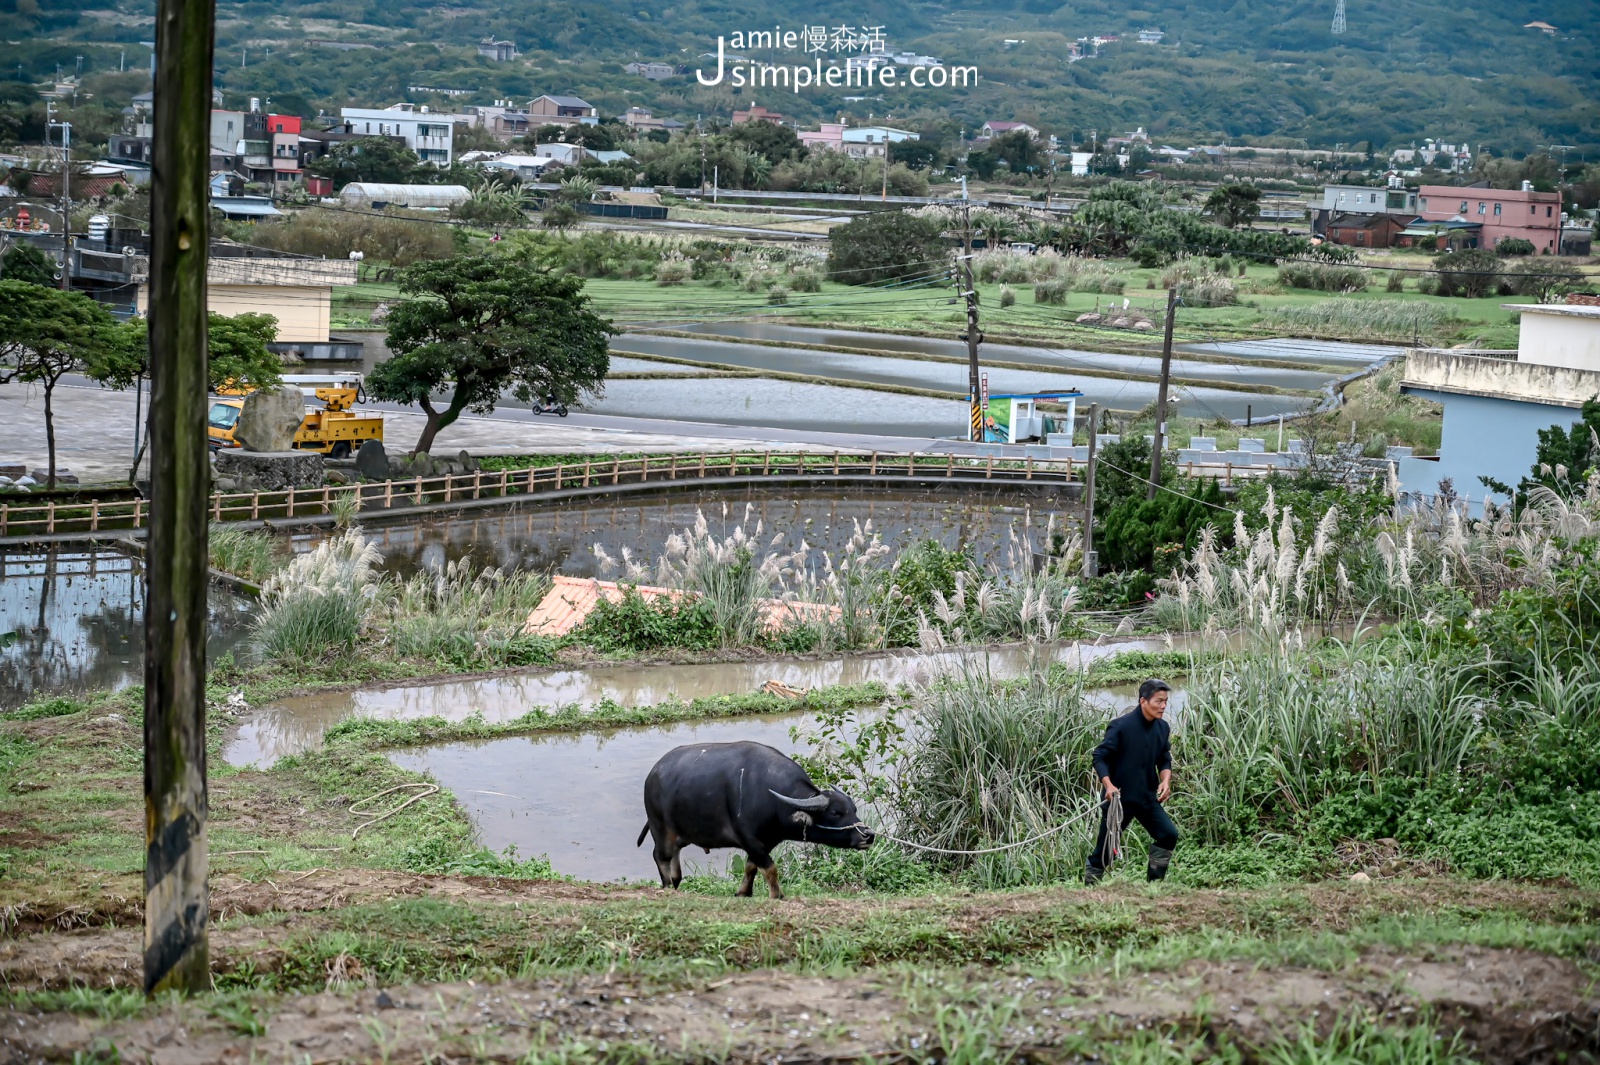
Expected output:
(335, 430)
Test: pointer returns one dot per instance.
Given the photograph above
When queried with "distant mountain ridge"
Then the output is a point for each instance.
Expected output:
(1225, 69)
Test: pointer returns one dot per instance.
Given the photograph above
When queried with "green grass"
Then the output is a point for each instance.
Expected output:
(372, 734)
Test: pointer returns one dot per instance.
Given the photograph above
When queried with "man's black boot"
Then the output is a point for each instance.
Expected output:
(1093, 876)
(1160, 858)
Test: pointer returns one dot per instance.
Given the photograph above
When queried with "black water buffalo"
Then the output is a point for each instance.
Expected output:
(744, 795)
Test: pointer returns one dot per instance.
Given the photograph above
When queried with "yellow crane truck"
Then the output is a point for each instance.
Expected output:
(335, 430)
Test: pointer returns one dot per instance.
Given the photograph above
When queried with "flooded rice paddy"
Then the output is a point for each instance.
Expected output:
(577, 796)
(757, 401)
(292, 725)
(73, 620)
(1081, 364)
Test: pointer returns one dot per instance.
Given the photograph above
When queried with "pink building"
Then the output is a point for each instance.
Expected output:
(1503, 213)
(830, 137)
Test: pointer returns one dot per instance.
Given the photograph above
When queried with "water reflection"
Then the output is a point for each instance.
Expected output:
(73, 619)
(578, 797)
(297, 724)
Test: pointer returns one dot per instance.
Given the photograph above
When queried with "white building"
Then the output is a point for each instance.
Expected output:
(1151, 36)
(1495, 403)
(430, 134)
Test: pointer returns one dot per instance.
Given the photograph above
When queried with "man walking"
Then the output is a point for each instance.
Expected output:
(1135, 760)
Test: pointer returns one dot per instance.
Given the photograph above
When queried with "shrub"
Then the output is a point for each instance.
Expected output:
(885, 246)
(673, 272)
(1143, 534)
(1323, 277)
(1543, 279)
(778, 294)
(1198, 286)
(635, 624)
(1396, 282)
(805, 281)
(1008, 296)
(986, 764)
(1006, 266)
(1091, 275)
(1513, 246)
(1050, 292)
(921, 575)
(1149, 256)
(1473, 273)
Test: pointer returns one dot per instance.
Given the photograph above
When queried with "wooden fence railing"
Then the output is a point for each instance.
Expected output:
(20, 520)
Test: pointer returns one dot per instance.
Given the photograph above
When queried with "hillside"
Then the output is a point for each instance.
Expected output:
(1235, 69)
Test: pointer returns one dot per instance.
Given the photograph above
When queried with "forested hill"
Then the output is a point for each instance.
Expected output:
(1240, 69)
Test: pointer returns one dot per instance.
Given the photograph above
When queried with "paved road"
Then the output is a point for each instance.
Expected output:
(94, 432)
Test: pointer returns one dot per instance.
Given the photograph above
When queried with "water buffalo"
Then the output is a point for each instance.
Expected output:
(744, 795)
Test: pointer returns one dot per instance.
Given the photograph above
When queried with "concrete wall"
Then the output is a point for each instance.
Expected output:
(303, 313)
(1561, 337)
(1478, 375)
(1483, 437)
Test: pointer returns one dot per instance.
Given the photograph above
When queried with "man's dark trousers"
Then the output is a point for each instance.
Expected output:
(1163, 838)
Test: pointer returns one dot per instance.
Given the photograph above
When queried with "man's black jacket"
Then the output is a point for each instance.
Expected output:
(1133, 754)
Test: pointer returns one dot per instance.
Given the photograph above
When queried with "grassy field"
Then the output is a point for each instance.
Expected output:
(409, 943)
(925, 309)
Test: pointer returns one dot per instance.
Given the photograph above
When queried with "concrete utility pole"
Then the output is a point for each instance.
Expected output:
(1091, 557)
(972, 336)
(66, 189)
(176, 951)
(1161, 394)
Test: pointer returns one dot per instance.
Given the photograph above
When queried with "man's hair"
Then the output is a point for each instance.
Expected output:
(1148, 689)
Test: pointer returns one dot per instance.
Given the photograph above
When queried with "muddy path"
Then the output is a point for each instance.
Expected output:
(1507, 1006)
(278, 925)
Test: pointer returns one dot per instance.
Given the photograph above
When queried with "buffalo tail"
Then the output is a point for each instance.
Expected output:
(643, 832)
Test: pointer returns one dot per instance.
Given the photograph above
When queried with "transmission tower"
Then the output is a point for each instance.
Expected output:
(1338, 17)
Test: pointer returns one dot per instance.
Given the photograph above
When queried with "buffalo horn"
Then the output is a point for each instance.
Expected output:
(815, 804)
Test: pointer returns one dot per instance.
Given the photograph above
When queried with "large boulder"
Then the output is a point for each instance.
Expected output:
(270, 471)
(270, 418)
(372, 462)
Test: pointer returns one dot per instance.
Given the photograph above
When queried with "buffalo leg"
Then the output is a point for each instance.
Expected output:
(771, 873)
(666, 855)
(749, 878)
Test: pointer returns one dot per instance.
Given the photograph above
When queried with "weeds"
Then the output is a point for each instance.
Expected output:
(466, 618)
(254, 556)
(318, 603)
(1377, 319)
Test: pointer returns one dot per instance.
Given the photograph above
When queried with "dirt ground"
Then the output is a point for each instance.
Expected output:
(1510, 1006)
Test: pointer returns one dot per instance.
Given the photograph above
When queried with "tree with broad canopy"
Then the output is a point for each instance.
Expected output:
(45, 334)
(478, 326)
